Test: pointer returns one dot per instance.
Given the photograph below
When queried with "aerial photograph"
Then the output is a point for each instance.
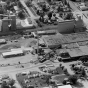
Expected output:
(43, 43)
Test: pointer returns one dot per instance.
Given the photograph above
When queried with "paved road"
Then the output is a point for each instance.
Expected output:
(85, 83)
(13, 69)
(72, 5)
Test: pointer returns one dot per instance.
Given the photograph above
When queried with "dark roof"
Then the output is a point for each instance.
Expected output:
(83, 43)
(76, 52)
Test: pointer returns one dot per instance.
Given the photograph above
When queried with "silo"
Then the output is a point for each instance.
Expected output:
(13, 22)
(5, 23)
(0, 25)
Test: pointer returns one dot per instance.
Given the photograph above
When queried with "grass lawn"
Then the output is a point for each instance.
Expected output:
(10, 46)
(60, 78)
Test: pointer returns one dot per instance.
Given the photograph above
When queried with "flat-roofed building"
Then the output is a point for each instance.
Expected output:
(2, 41)
(12, 53)
(84, 49)
(24, 49)
(70, 54)
(73, 40)
(65, 86)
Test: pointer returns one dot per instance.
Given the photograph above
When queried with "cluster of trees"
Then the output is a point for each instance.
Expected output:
(10, 4)
(72, 79)
(21, 15)
(19, 5)
(29, 3)
(79, 70)
(68, 16)
(9, 84)
(83, 59)
(59, 70)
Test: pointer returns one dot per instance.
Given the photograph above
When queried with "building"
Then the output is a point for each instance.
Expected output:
(5, 27)
(24, 49)
(73, 53)
(2, 41)
(65, 86)
(12, 54)
(73, 40)
(13, 22)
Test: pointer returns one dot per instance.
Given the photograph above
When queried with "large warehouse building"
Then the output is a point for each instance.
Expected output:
(12, 53)
(67, 40)
(76, 44)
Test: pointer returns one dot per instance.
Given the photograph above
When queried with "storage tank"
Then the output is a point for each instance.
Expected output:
(5, 23)
(13, 22)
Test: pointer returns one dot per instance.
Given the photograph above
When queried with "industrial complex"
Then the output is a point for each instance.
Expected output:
(43, 44)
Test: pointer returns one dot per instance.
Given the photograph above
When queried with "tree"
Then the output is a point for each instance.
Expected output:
(84, 58)
(8, 2)
(73, 65)
(21, 15)
(68, 16)
(4, 85)
(73, 79)
(50, 15)
(83, 73)
(47, 78)
(11, 82)
(29, 3)
(1, 10)
(19, 4)
(64, 82)
(65, 70)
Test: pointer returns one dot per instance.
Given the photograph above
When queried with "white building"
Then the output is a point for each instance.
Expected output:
(65, 86)
(12, 53)
(2, 41)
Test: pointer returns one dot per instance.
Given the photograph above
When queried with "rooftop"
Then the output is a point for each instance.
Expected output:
(65, 86)
(69, 39)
